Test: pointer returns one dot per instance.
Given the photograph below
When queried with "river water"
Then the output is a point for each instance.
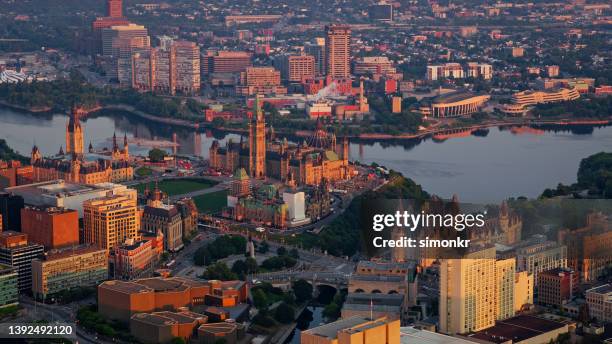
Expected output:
(486, 167)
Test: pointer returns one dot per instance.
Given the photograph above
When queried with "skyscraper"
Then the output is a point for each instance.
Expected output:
(476, 290)
(109, 221)
(257, 142)
(187, 66)
(338, 51)
(114, 8)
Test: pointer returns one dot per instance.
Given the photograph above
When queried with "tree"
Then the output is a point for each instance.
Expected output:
(331, 311)
(260, 300)
(264, 247)
(157, 155)
(294, 253)
(302, 290)
(251, 265)
(219, 271)
(239, 267)
(284, 313)
(177, 340)
(281, 251)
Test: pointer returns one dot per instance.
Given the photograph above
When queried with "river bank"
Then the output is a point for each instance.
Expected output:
(307, 133)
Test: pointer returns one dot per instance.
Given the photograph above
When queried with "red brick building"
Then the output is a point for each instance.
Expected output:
(51, 227)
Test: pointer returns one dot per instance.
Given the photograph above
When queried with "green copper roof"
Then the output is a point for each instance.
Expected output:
(240, 174)
(331, 155)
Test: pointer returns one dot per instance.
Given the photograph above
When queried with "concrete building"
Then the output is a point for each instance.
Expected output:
(354, 330)
(215, 332)
(386, 278)
(9, 286)
(454, 104)
(338, 51)
(523, 290)
(377, 305)
(11, 204)
(72, 267)
(599, 300)
(316, 49)
(479, 70)
(295, 68)
(260, 80)
(114, 8)
(296, 207)
(504, 288)
(451, 70)
(588, 247)
(121, 299)
(110, 221)
(51, 227)
(468, 292)
(528, 98)
(62, 194)
(396, 104)
(215, 62)
(16, 251)
(187, 66)
(126, 37)
(163, 327)
(537, 255)
(373, 65)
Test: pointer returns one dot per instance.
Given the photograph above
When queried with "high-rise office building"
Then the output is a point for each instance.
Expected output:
(143, 70)
(109, 221)
(16, 251)
(538, 254)
(51, 227)
(338, 51)
(523, 290)
(505, 273)
(72, 267)
(225, 62)
(10, 209)
(295, 68)
(121, 37)
(187, 66)
(316, 49)
(478, 289)
(114, 8)
(9, 286)
(260, 80)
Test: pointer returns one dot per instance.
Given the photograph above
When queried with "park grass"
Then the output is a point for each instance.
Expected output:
(174, 187)
(144, 171)
(212, 202)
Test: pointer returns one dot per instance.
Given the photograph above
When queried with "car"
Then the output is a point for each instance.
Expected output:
(260, 229)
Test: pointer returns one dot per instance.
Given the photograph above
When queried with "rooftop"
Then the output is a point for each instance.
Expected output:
(602, 289)
(411, 335)
(453, 97)
(517, 329)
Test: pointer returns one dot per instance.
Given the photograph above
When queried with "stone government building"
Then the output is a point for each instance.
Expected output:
(76, 166)
(317, 158)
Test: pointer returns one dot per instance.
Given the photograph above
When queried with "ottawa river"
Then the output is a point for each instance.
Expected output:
(489, 167)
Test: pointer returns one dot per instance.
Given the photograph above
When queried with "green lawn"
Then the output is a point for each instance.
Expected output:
(178, 186)
(143, 172)
(212, 202)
